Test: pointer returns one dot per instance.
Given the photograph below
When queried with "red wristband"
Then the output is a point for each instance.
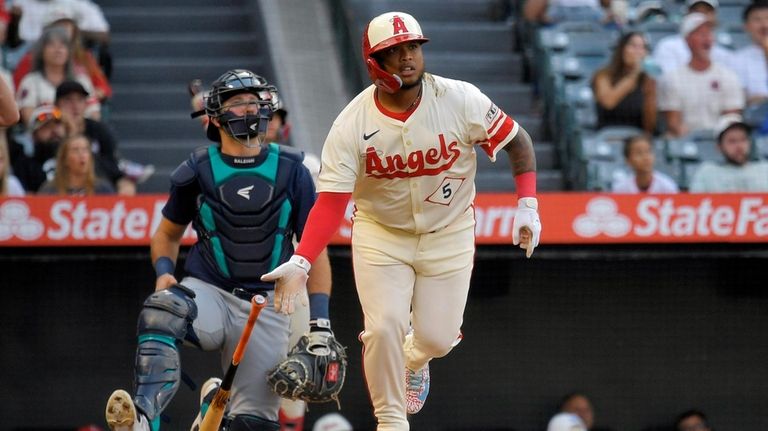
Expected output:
(525, 184)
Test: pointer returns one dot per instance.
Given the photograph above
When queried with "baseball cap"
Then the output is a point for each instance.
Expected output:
(713, 3)
(566, 422)
(332, 422)
(68, 87)
(729, 121)
(692, 21)
(42, 115)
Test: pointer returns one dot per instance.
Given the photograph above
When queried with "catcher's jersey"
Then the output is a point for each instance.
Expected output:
(417, 175)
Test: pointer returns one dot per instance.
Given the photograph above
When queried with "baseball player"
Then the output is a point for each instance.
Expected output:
(404, 150)
(247, 200)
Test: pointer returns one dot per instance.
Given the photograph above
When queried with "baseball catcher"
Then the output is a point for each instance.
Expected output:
(314, 370)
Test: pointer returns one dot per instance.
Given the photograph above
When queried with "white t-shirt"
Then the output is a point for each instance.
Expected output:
(14, 187)
(717, 178)
(36, 14)
(34, 90)
(749, 65)
(672, 52)
(701, 96)
(660, 183)
(417, 175)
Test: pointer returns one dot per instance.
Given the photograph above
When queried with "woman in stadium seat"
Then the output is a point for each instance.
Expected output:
(75, 174)
(625, 93)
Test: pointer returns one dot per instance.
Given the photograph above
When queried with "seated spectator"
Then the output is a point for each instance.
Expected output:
(83, 61)
(694, 96)
(736, 173)
(640, 157)
(72, 100)
(566, 422)
(553, 11)
(749, 62)
(33, 15)
(33, 159)
(75, 175)
(9, 184)
(625, 94)
(578, 404)
(672, 52)
(52, 65)
(692, 420)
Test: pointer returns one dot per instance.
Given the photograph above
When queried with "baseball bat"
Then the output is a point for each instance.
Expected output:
(215, 413)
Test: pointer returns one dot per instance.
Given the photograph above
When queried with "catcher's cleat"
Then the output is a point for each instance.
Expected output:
(416, 389)
(121, 413)
(207, 392)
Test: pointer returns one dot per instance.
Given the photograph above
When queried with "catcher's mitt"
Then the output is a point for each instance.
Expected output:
(314, 370)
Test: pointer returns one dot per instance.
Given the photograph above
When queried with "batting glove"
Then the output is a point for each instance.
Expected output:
(290, 283)
(527, 217)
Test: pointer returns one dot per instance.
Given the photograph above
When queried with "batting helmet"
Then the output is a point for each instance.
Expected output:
(384, 31)
(234, 82)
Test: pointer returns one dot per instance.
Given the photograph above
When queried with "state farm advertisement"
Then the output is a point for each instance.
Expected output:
(567, 218)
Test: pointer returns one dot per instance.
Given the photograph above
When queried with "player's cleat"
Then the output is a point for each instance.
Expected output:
(416, 389)
(121, 413)
(207, 392)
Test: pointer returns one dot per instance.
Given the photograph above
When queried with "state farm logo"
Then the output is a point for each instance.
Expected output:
(15, 221)
(602, 217)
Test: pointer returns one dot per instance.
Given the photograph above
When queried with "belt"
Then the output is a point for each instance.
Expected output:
(246, 295)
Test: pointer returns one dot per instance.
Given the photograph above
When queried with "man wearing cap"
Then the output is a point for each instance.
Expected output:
(72, 100)
(749, 62)
(672, 52)
(33, 164)
(694, 96)
(736, 173)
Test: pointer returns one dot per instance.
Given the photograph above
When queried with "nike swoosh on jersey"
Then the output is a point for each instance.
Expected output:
(367, 137)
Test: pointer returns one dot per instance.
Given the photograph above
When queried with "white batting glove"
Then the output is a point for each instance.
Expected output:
(527, 217)
(290, 283)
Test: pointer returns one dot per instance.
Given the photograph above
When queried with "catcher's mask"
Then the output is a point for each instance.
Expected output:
(247, 126)
(384, 31)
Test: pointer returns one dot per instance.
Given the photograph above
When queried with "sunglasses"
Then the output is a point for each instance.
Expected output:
(54, 114)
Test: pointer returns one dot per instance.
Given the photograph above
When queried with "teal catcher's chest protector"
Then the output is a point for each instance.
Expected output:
(244, 217)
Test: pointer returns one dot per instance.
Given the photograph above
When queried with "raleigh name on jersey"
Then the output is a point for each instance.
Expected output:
(423, 167)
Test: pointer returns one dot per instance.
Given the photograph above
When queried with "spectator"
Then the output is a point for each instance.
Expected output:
(71, 99)
(578, 404)
(671, 52)
(749, 62)
(34, 163)
(34, 15)
(75, 174)
(9, 111)
(83, 60)
(640, 157)
(566, 422)
(52, 65)
(694, 96)
(9, 184)
(625, 95)
(553, 11)
(692, 420)
(736, 173)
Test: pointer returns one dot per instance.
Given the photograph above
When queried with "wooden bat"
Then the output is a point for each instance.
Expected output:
(215, 413)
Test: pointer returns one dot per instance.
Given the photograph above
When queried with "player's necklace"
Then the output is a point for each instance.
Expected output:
(416, 100)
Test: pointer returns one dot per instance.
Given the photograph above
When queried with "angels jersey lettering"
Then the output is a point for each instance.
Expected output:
(416, 175)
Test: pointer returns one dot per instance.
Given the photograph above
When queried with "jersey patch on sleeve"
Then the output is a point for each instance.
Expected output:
(491, 114)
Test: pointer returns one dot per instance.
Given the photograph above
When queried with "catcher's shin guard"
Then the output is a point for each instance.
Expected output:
(163, 322)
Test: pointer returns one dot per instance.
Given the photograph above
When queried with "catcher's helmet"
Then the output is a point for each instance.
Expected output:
(384, 31)
(234, 82)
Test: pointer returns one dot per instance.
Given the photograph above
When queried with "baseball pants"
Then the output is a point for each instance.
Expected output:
(408, 280)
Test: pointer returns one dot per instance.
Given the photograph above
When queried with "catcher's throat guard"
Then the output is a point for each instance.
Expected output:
(314, 370)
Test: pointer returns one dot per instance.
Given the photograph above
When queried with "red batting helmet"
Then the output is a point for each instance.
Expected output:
(384, 31)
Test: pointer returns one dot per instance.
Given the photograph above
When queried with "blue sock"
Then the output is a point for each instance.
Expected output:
(318, 306)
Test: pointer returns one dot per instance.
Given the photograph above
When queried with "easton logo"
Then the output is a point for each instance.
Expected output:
(246, 192)
(416, 164)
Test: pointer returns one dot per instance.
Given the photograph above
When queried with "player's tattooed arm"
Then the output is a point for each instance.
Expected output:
(522, 157)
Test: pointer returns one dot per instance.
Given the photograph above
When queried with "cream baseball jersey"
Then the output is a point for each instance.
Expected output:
(417, 175)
